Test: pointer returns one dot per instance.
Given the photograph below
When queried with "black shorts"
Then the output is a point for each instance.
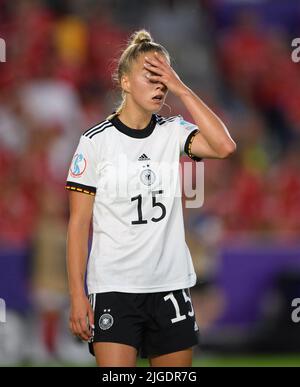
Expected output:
(153, 323)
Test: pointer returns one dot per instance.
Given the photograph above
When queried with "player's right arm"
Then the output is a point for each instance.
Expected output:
(81, 313)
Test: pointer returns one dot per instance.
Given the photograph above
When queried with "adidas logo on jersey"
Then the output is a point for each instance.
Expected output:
(143, 157)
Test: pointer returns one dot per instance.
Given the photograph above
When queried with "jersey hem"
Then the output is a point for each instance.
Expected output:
(155, 289)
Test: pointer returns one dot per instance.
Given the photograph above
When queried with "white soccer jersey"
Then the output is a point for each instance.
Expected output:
(138, 230)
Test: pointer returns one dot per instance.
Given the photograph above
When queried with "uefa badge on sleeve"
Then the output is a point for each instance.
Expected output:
(78, 165)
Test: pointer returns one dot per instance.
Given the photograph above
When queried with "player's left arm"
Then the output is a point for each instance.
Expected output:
(213, 139)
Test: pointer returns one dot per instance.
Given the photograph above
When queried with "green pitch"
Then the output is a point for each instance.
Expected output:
(243, 361)
(274, 360)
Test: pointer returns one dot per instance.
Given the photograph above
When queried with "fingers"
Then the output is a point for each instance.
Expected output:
(154, 78)
(159, 67)
(157, 62)
(161, 58)
(81, 319)
(85, 333)
(75, 329)
(153, 68)
(91, 317)
(80, 328)
(72, 328)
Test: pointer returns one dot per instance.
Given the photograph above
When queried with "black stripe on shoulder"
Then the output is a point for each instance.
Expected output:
(99, 130)
(170, 119)
(91, 130)
(162, 120)
(93, 127)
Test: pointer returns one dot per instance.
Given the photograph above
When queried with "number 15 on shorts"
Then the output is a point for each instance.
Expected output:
(178, 316)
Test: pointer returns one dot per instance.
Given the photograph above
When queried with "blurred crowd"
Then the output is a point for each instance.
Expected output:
(57, 82)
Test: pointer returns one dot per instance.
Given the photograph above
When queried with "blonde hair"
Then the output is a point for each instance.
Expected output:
(139, 42)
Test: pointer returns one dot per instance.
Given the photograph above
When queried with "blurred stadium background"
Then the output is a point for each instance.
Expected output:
(56, 82)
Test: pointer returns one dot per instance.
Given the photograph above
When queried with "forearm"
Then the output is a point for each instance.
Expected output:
(212, 128)
(77, 251)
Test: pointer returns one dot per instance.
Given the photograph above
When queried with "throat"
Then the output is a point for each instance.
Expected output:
(138, 124)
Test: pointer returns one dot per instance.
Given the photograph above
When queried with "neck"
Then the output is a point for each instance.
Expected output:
(134, 117)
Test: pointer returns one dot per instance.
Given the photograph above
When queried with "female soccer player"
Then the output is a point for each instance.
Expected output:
(140, 269)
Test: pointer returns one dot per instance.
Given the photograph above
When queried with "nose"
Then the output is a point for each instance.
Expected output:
(161, 86)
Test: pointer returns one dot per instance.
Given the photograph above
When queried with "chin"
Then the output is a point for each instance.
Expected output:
(152, 109)
(156, 110)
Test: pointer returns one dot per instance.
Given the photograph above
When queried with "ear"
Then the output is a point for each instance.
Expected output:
(125, 83)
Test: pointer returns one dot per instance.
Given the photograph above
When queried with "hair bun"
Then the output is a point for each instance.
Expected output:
(141, 36)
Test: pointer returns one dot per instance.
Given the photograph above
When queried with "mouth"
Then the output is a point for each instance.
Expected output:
(158, 98)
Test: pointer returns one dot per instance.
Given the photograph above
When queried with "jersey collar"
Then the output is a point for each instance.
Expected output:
(136, 133)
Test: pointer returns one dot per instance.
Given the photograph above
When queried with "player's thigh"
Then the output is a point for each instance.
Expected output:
(182, 358)
(115, 354)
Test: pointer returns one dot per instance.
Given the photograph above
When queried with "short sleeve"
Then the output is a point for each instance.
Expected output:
(82, 175)
(187, 133)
